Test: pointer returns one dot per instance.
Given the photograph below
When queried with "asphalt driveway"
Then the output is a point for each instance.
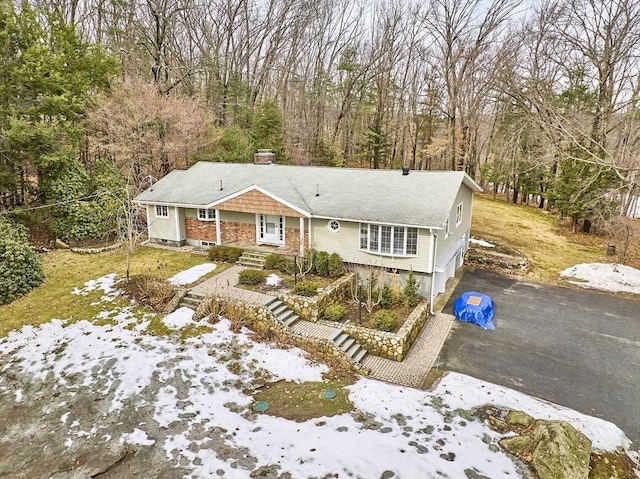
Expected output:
(577, 348)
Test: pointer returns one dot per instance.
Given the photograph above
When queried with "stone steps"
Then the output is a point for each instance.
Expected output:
(252, 259)
(191, 300)
(348, 344)
(282, 312)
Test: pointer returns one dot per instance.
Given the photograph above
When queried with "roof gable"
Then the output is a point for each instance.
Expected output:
(254, 200)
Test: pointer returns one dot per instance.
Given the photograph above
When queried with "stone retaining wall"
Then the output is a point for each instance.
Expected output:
(261, 319)
(388, 345)
(102, 249)
(311, 308)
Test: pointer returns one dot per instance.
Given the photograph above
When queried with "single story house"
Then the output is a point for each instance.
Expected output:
(393, 219)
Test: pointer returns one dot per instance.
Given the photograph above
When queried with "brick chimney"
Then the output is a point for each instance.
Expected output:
(264, 157)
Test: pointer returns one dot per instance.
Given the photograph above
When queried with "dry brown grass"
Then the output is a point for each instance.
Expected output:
(548, 243)
(65, 270)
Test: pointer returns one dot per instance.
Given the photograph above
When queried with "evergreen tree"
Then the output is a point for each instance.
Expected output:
(20, 266)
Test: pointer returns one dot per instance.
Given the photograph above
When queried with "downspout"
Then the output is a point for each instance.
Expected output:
(433, 271)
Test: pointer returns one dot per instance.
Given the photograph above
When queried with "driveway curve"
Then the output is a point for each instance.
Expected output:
(577, 348)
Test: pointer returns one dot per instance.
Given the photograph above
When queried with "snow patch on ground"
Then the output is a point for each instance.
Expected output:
(180, 318)
(482, 243)
(604, 276)
(192, 274)
(138, 437)
(105, 283)
(273, 280)
(194, 395)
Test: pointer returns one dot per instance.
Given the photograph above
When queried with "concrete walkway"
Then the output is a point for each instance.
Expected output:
(225, 284)
(411, 372)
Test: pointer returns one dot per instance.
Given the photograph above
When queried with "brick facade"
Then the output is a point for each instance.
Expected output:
(232, 232)
(200, 230)
(292, 239)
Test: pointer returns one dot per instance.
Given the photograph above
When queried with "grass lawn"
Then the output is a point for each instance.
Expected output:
(304, 401)
(65, 270)
(549, 246)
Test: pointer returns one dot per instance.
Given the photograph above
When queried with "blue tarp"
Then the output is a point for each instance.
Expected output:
(476, 308)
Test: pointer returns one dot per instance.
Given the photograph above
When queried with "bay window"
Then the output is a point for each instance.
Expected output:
(388, 239)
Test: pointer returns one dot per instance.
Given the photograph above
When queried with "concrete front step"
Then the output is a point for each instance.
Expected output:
(252, 259)
(251, 263)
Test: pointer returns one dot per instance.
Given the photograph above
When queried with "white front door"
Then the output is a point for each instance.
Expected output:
(271, 229)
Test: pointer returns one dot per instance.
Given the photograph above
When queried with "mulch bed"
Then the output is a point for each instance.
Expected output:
(351, 315)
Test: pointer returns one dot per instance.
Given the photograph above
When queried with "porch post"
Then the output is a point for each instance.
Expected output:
(218, 233)
(178, 229)
(302, 236)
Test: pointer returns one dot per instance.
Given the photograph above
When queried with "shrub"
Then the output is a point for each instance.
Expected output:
(233, 254)
(274, 261)
(384, 320)
(334, 312)
(150, 291)
(386, 297)
(410, 292)
(216, 253)
(251, 276)
(306, 288)
(229, 254)
(321, 263)
(20, 265)
(335, 266)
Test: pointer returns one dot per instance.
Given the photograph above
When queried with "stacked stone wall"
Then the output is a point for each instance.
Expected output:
(261, 319)
(388, 345)
(311, 308)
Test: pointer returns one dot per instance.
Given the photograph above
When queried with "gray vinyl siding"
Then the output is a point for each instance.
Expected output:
(346, 242)
(162, 228)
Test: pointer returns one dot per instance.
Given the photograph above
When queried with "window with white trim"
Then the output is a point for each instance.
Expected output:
(334, 225)
(206, 214)
(447, 228)
(162, 211)
(388, 239)
(458, 214)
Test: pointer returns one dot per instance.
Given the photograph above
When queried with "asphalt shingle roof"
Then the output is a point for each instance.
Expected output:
(421, 198)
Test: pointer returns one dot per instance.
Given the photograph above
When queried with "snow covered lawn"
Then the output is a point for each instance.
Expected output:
(604, 276)
(106, 387)
(192, 274)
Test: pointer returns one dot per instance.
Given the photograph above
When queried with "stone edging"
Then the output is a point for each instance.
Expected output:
(172, 305)
(260, 318)
(311, 308)
(388, 345)
(97, 250)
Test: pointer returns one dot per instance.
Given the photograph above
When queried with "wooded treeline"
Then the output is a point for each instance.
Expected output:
(537, 102)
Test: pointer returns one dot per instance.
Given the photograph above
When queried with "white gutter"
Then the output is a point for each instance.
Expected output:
(433, 271)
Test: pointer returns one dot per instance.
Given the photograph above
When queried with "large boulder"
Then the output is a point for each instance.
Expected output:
(560, 451)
